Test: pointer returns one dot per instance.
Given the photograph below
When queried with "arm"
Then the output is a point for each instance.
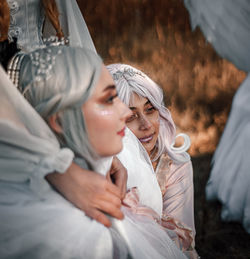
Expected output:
(90, 192)
(118, 175)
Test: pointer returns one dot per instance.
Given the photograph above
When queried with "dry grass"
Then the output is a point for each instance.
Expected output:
(155, 36)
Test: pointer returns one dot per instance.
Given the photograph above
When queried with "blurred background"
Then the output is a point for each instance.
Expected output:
(155, 36)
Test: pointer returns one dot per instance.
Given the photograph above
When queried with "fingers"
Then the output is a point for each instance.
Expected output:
(108, 177)
(123, 190)
(119, 175)
(113, 189)
(108, 197)
(100, 217)
(110, 209)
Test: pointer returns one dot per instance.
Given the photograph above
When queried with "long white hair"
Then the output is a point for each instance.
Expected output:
(131, 80)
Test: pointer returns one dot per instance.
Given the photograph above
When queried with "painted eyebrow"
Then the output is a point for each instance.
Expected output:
(147, 102)
(134, 108)
(109, 87)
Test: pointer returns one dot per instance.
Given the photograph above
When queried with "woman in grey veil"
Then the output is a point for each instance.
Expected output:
(32, 24)
(37, 222)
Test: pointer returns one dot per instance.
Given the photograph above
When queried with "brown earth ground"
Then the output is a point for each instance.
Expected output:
(214, 238)
(155, 36)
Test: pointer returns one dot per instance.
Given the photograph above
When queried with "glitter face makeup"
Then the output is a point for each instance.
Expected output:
(105, 117)
(105, 112)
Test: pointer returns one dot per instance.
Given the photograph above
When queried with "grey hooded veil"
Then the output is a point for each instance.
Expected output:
(35, 221)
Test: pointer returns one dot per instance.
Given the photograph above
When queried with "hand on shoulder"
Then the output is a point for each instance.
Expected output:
(90, 192)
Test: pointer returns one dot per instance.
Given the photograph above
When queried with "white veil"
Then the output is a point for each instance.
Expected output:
(73, 25)
(29, 149)
(140, 172)
(226, 25)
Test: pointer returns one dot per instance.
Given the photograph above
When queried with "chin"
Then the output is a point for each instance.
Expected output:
(148, 148)
(111, 151)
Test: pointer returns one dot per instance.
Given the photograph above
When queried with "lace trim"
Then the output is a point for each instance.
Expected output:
(126, 72)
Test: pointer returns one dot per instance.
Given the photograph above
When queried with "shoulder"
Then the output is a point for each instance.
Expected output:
(182, 168)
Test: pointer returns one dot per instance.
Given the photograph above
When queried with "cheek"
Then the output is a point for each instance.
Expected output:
(157, 126)
(155, 121)
(134, 127)
(102, 128)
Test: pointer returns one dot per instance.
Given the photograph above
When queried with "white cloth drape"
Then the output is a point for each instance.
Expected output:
(226, 24)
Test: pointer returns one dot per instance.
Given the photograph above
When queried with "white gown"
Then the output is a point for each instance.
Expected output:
(226, 25)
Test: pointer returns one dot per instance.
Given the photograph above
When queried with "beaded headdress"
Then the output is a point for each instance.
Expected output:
(43, 61)
(126, 71)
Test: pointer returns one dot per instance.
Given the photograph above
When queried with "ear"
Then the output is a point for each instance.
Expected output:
(54, 123)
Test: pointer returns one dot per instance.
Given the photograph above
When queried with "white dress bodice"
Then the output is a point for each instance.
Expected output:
(28, 33)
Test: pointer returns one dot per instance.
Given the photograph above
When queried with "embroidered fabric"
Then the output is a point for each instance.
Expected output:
(26, 22)
(29, 26)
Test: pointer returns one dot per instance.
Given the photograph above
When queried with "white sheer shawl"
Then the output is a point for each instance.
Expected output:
(29, 26)
(73, 25)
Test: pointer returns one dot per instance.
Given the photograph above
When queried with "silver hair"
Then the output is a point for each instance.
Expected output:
(131, 80)
(60, 79)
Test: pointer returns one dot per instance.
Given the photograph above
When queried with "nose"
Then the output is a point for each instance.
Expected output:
(124, 111)
(144, 123)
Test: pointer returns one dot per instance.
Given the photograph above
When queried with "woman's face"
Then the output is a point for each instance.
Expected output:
(105, 117)
(144, 122)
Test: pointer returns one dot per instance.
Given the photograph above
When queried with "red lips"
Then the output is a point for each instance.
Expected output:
(121, 132)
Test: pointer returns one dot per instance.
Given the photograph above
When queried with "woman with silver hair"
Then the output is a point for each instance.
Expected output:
(28, 25)
(152, 124)
(73, 91)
